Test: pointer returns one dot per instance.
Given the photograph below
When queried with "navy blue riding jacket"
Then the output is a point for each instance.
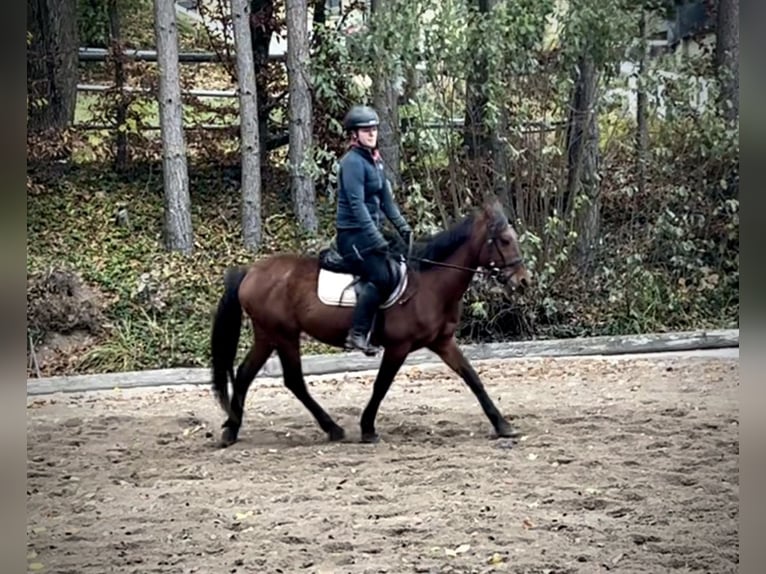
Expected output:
(364, 196)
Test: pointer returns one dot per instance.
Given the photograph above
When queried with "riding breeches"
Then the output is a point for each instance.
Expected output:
(369, 263)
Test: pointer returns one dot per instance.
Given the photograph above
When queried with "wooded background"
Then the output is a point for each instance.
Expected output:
(608, 128)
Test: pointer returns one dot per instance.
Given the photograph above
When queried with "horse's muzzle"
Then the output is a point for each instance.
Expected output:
(518, 279)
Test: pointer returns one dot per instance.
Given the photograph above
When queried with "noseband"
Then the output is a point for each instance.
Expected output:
(496, 270)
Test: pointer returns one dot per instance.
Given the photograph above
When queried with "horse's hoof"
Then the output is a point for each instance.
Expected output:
(370, 437)
(505, 430)
(228, 437)
(336, 434)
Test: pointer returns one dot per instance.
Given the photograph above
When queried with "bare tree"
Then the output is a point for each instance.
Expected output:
(178, 225)
(249, 136)
(385, 101)
(642, 131)
(479, 143)
(727, 57)
(583, 156)
(304, 195)
(263, 25)
(476, 137)
(51, 63)
(121, 111)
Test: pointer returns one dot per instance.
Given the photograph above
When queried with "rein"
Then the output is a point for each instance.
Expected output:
(493, 270)
(451, 265)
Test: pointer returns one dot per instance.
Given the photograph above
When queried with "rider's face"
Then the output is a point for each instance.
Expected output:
(368, 137)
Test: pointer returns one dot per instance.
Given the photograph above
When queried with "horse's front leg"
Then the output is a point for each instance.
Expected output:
(393, 358)
(449, 352)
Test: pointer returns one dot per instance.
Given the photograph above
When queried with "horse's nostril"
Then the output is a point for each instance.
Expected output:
(524, 282)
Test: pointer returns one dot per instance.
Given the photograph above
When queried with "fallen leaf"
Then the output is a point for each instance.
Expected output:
(36, 566)
(532, 456)
(462, 549)
(191, 431)
(496, 558)
(527, 523)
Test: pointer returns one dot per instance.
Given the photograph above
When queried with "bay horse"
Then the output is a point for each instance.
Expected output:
(279, 295)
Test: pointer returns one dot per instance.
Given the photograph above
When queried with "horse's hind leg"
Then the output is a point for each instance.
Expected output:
(289, 356)
(246, 372)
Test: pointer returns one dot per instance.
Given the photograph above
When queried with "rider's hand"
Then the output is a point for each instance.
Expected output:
(407, 237)
(382, 244)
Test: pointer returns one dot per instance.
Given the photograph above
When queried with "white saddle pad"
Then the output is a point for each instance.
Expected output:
(337, 289)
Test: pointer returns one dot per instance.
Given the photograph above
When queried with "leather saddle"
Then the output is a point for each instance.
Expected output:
(338, 285)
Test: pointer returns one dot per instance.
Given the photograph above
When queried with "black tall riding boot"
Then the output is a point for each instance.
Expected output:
(366, 306)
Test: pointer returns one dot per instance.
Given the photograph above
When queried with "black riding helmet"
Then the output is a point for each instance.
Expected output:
(360, 117)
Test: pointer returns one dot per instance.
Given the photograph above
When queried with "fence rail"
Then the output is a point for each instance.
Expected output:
(88, 54)
(102, 55)
(132, 89)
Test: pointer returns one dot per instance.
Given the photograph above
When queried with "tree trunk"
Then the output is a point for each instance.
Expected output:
(178, 225)
(642, 135)
(386, 103)
(320, 13)
(502, 165)
(477, 140)
(727, 58)
(411, 84)
(582, 196)
(52, 71)
(250, 144)
(262, 27)
(121, 112)
(589, 217)
(300, 113)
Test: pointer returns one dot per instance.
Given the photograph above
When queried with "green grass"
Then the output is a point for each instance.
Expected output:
(70, 225)
(137, 25)
(223, 112)
(73, 227)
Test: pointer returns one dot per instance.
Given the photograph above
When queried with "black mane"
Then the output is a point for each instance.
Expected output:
(439, 246)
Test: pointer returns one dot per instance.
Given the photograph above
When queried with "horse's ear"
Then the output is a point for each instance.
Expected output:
(489, 206)
(492, 208)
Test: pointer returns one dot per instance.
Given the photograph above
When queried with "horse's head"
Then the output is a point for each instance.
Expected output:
(500, 250)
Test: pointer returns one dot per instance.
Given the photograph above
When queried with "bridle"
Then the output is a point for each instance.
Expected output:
(492, 270)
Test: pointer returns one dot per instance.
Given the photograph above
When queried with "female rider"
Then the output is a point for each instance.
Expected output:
(364, 195)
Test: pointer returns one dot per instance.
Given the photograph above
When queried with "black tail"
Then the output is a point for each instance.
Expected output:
(227, 326)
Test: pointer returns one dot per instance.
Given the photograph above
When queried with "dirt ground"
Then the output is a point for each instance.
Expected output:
(622, 466)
